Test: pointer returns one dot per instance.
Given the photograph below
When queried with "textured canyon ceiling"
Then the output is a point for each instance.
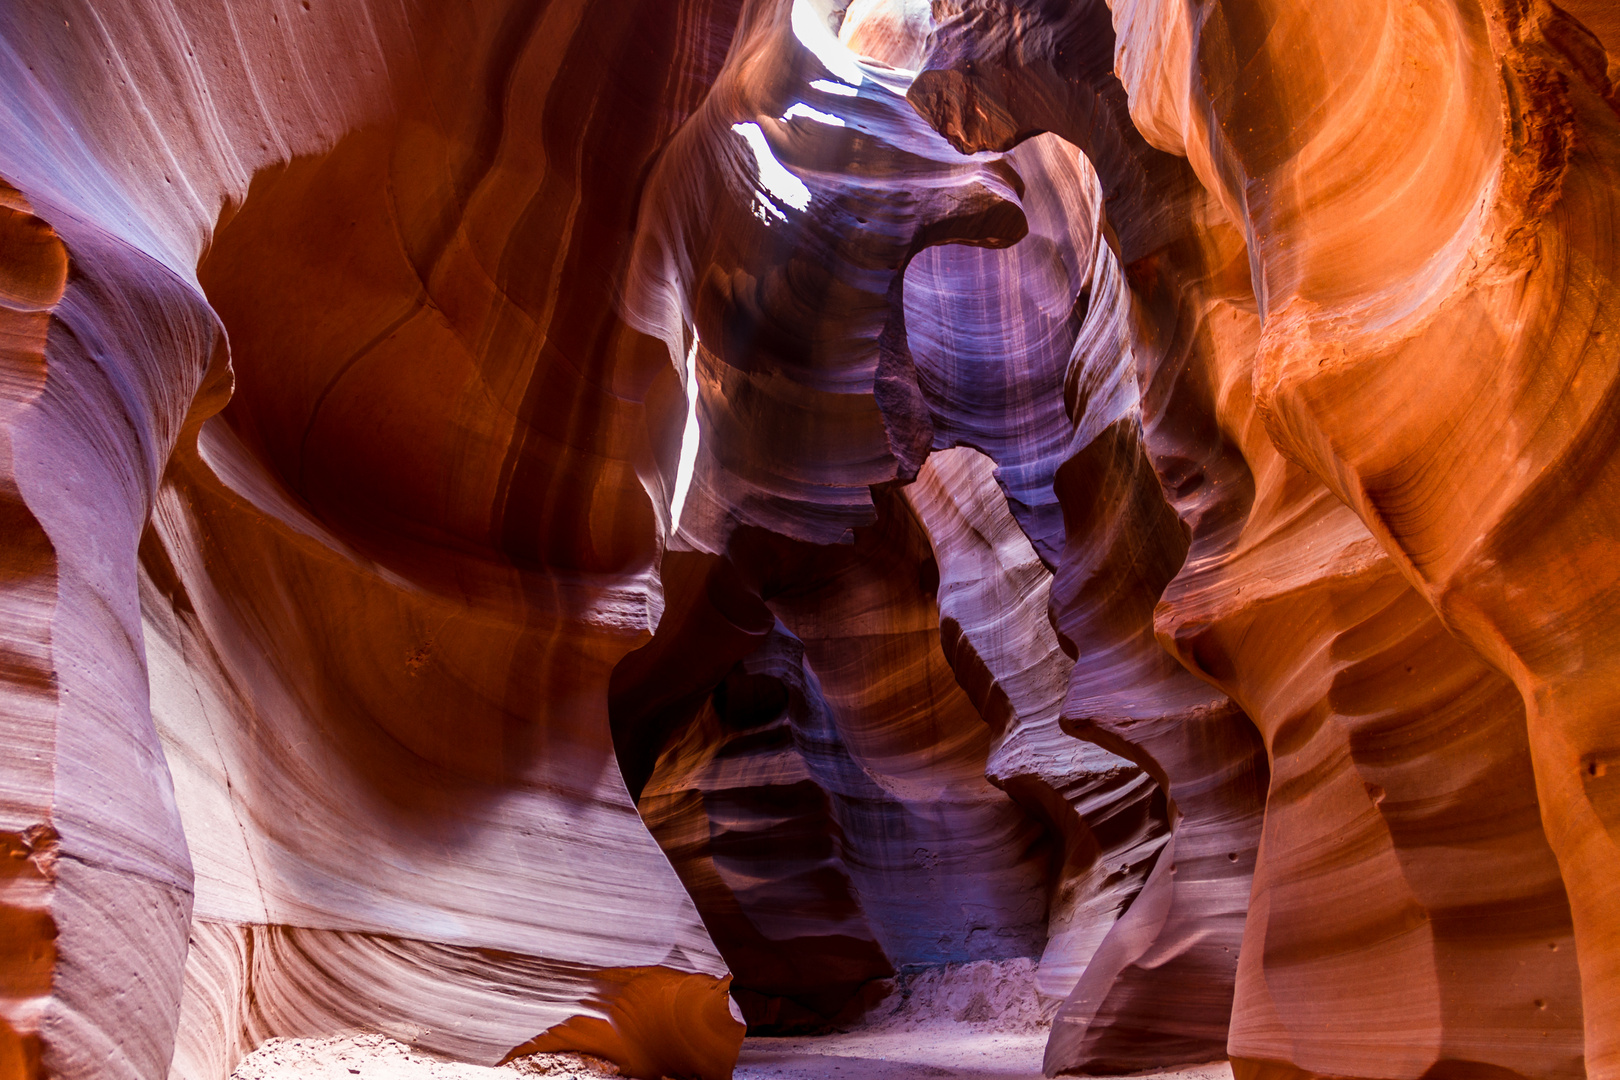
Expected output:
(605, 524)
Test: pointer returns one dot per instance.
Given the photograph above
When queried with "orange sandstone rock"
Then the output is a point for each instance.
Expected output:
(552, 526)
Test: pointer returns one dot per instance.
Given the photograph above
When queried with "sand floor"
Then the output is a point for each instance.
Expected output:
(965, 1051)
(377, 1057)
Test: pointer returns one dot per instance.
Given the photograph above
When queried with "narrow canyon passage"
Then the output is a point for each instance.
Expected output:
(884, 539)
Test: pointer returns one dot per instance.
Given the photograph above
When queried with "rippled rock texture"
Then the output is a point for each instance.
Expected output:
(543, 526)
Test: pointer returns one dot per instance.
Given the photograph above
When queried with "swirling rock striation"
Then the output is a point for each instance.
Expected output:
(375, 631)
(897, 722)
(1108, 815)
(1217, 359)
(551, 526)
(825, 797)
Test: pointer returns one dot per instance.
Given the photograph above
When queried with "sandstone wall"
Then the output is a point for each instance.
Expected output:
(553, 525)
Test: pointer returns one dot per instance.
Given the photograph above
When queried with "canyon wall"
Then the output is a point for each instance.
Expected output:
(320, 661)
(1319, 518)
(554, 525)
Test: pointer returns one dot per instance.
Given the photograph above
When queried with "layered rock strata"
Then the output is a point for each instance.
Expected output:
(377, 627)
(1160, 989)
(750, 349)
(1496, 284)
(1272, 536)
(1108, 815)
(551, 526)
(826, 798)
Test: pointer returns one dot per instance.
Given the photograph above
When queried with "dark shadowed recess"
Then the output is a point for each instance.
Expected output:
(797, 743)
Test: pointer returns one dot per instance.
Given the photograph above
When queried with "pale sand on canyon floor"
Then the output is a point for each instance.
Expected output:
(975, 1021)
(967, 1051)
(921, 1054)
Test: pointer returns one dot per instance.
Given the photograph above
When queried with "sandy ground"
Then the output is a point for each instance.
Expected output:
(969, 1052)
(979, 1021)
(377, 1057)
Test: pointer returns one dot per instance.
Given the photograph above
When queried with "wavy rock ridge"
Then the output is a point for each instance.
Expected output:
(552, 526)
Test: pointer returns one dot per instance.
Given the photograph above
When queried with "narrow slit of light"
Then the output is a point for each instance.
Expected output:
(689, 441)
(772, 173)
(799, 108)
(827, 86)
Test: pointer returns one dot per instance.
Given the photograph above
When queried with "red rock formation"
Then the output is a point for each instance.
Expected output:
(35, 278)
(1003, 72)
(826, 800)
(1438, 872)
(516, 515)
(1107, 814)
(378, 631)
(731, 788)
(766, 346)
(1159, 990)
(1478, 299)
(777, 228)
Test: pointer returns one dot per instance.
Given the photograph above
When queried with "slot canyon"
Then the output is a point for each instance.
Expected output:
(619, 535)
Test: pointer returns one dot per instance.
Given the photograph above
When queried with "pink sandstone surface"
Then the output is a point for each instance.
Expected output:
(537, 527)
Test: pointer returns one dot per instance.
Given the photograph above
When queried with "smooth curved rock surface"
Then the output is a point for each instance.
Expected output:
(743, 806)
(772, 245)
(892, 715)
(825, 797)
(378, 632)
(554, 526)
(1159, 990)
(1002, 71)
(1108, 814)
(1391, 746)
(1454, 298)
